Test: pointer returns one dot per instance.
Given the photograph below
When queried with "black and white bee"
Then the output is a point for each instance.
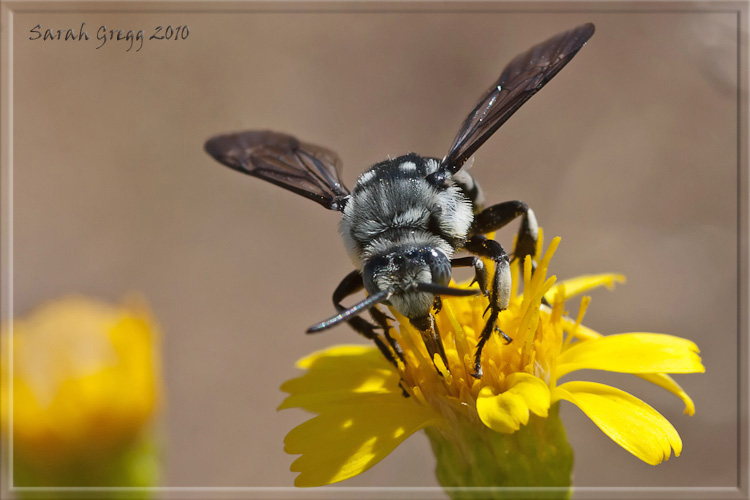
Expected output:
(407, 217)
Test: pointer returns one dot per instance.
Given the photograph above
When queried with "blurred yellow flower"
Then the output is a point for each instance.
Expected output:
(366, 406)
(86, 384)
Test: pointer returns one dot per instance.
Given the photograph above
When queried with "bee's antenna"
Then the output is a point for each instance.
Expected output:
(352, 311)
(436, 289)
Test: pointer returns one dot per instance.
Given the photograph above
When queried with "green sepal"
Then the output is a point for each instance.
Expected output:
(476, 462)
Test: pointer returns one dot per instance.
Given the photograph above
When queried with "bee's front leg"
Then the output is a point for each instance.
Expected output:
(427, 326)
(381, 319)
(480, 272)
(350, 285)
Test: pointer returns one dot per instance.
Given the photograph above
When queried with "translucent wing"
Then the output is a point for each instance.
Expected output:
(521, 79)
(305, 169)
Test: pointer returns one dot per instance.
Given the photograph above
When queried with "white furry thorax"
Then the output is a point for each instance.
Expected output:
(392, 204)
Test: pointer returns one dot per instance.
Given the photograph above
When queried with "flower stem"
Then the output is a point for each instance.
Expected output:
(534, 462)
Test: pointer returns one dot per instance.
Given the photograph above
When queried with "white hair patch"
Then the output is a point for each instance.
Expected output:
(408, 166)
(366, 177)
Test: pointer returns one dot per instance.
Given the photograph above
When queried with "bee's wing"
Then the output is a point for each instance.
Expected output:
(305, 169)
(520, 80)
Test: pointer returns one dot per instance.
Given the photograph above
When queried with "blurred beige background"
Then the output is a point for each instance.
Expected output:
(630, 155)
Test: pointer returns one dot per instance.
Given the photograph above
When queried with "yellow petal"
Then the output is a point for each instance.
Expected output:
(363, 414)
(334, 374)
(632, 353)
(666, 382)
(368, 357)
(506, 412)
(630, 422)
(342, 443)
(662, 380)
(580, 332)
(581, 284)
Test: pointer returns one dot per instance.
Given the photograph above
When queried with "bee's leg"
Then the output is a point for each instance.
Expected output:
(431, 337)
(437, 304)
(497, 216)
(480, 272)
(350, 285)
(381, 319)
(499, 290)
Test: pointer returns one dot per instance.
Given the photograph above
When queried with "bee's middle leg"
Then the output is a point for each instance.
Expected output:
(499, 290)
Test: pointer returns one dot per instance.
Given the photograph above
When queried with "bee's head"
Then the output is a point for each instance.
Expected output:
(407, 272)
(407, 277)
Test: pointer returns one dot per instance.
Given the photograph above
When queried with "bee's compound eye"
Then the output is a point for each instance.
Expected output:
(440, 266)
(398, 259)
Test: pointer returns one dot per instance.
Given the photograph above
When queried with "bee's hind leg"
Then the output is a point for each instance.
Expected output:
(497, 216)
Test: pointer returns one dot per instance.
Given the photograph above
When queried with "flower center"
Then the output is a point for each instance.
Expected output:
(536, 343)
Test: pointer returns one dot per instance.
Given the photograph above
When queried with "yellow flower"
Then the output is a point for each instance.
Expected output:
(366, 406)
(85, 382)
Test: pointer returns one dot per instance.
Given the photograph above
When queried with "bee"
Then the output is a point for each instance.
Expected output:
(406, 217)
